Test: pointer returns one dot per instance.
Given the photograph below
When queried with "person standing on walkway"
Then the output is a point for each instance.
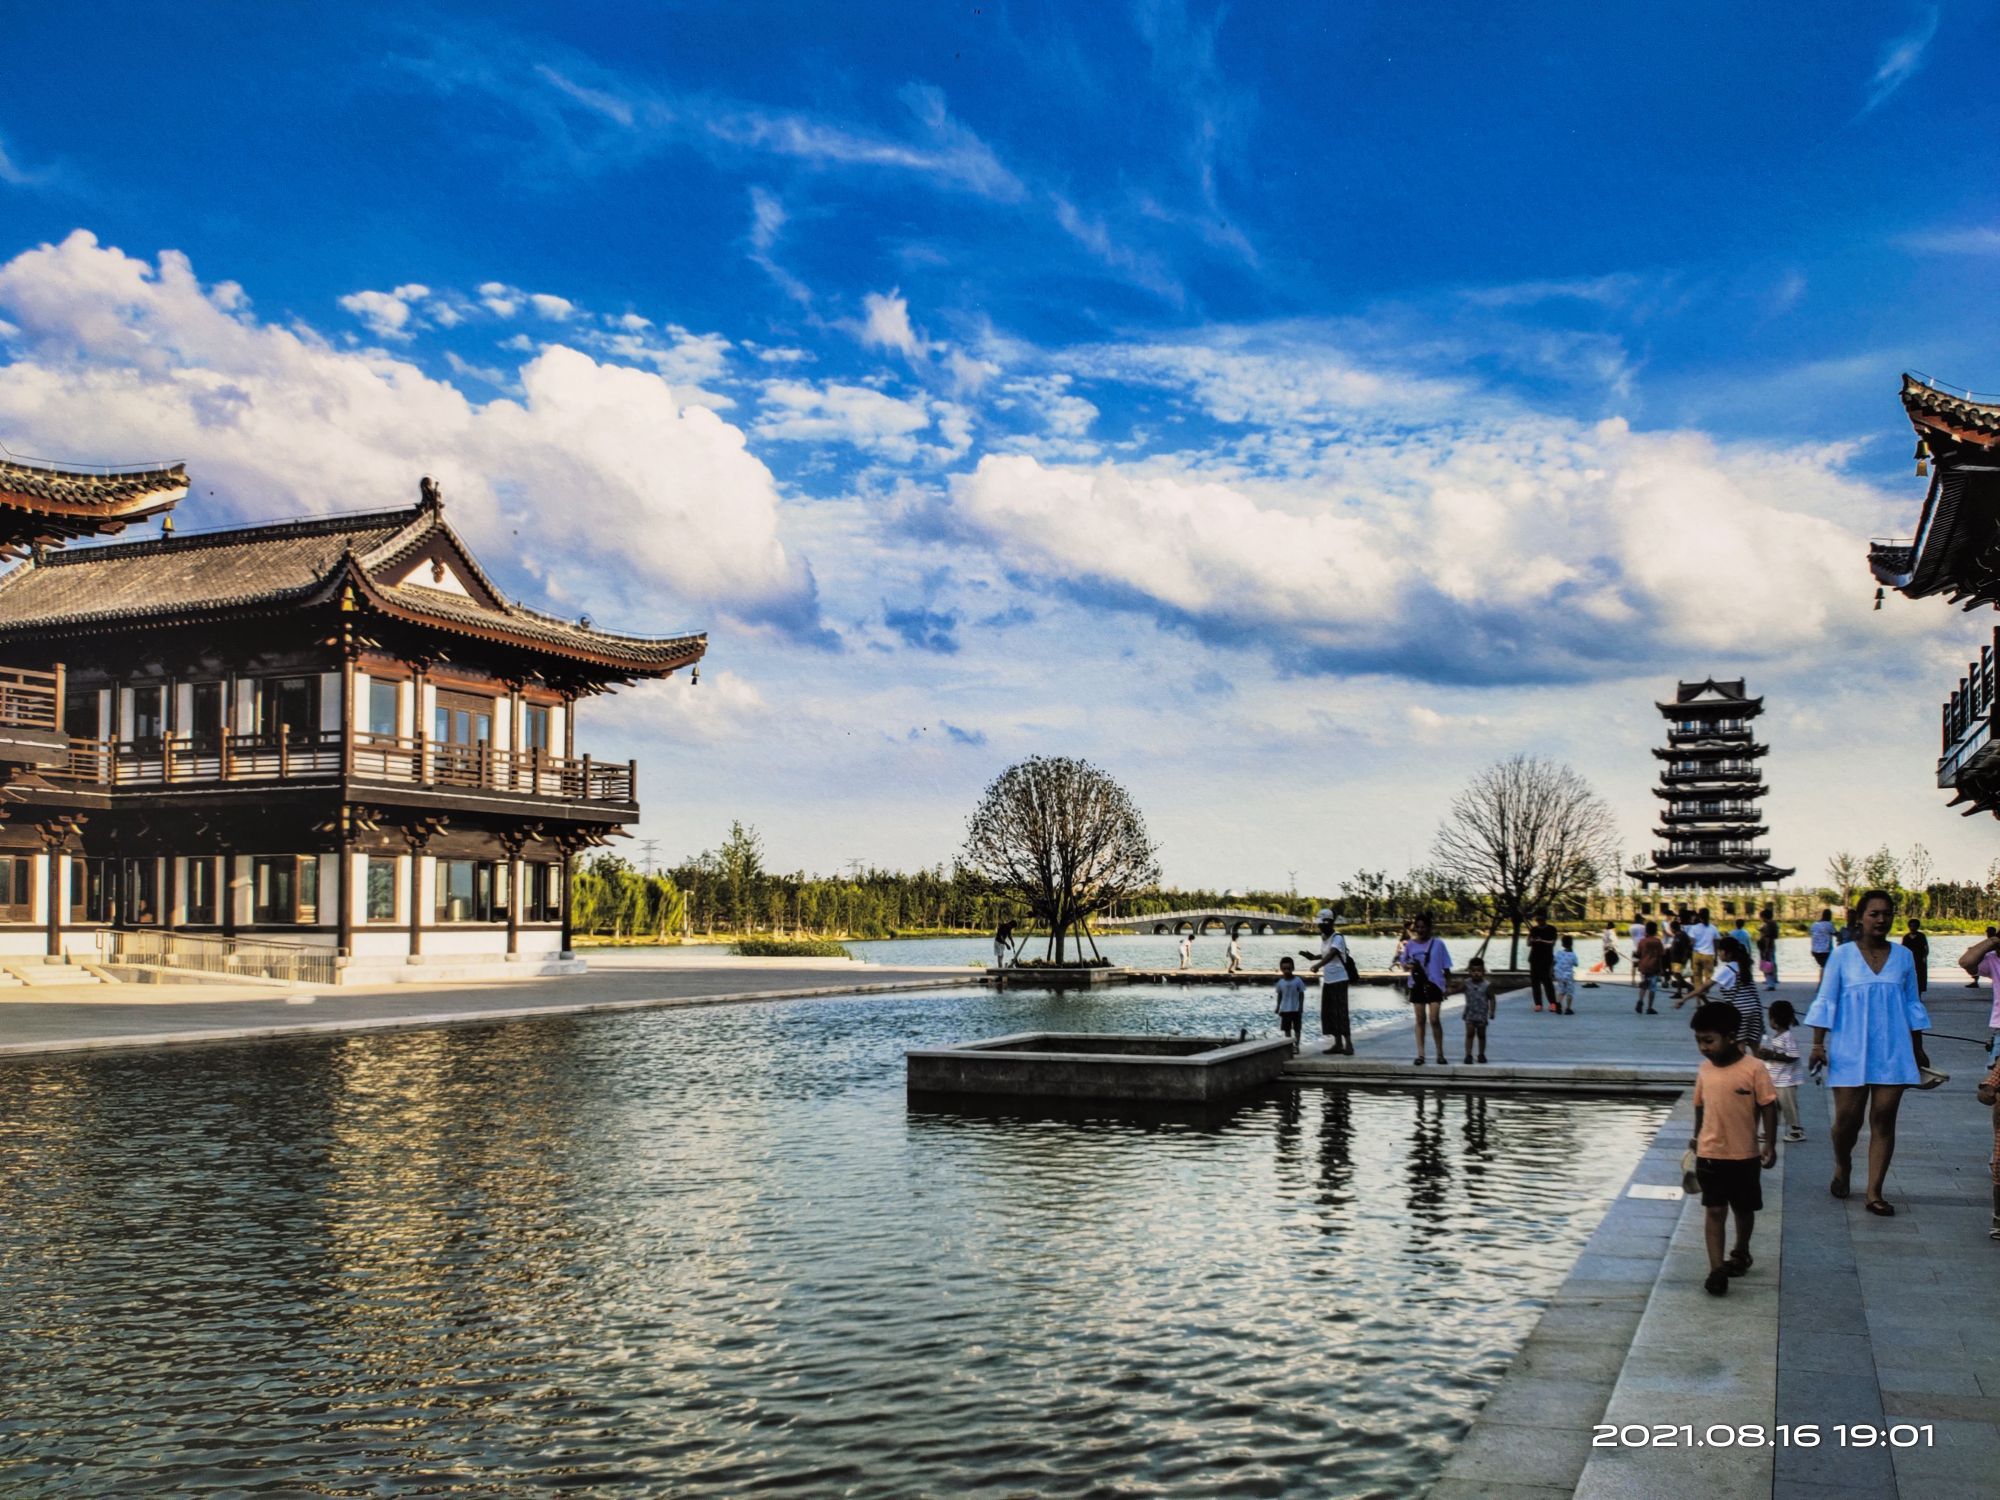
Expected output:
(1679, 951)
(1820, 936)
(1983, 957)
(1564, 1003)
(1734, 985)
(1542, 960)
(1868, 1034)
(1920, 953)
(1480, 1004)
(1649, 961)
(1638, 936)
(1741, 932)
(1187, 949)
(1429, 965)
(1735, 1140)
(1610, 949)
(1003, 945)
(1235, 964)
(1335, 967)
(1767, 948)
(1702, 935)
(1989, 1094)
(1291, 1003)
(1780, 1053)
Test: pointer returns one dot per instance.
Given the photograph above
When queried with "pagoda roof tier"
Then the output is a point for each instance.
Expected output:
(47, 504)
(1739, 787)
(1696, 749)
(1714, 828)
(407, 565)
(1712, 694)
(1707, 869)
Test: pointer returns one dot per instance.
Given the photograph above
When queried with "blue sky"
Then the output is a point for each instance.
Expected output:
(1290, 408)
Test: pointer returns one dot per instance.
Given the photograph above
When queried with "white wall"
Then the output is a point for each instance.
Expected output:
(329, 701)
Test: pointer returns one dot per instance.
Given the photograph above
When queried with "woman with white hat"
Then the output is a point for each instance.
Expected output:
(1335, 967)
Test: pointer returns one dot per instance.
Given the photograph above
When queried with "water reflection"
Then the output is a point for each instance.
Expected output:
(709, 1251)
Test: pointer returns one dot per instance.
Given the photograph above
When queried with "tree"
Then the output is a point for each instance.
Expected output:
(1064, 838)
(1844, 870)
(1882, 870)
(741, 859)
(1525, 834)
(1917, 872)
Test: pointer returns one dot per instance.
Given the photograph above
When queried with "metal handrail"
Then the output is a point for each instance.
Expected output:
(200, 953)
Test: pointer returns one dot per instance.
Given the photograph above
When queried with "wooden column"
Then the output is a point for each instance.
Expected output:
(169, 891)
(515, 892)
(347, 718)
(566, 934)
(343, 866)
(226, 892)
(56, 893)
(416, 899)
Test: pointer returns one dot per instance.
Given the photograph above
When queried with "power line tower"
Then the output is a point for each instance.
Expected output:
(646, 851)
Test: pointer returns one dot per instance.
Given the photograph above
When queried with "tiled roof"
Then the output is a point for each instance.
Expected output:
(266, 567)
(1966, 416)
(167, 576)
(115, 490)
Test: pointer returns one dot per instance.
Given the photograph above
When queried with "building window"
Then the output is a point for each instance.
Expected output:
(16, 895)
(80, 717)
(204, 728)
(535, 728)
(382, 708)
(89, 890)
(141, 885)
(542, 898)
(149, 722)
(288, 706)
(201, 892)
(285, 890)
(381, 888)
(464, 890)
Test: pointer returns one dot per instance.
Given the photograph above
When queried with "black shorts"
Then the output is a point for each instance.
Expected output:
(1291, 1022)
(1730, 1184)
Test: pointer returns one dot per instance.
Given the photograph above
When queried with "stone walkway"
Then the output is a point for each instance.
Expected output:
(1847, 1320)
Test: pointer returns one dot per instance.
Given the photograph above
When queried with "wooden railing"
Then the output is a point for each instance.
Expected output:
(1970, 711)
(287, 755)
(30, 700)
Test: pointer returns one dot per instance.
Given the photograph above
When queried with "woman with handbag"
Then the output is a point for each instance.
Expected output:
(1429, 965)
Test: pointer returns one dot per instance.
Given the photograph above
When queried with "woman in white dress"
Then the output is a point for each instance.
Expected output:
(1868, 1025)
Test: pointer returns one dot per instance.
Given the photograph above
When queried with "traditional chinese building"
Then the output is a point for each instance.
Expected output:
(332, 735)
(1709, 786)
(1955, 553)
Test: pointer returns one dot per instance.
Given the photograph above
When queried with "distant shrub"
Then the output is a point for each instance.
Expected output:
(789, 948)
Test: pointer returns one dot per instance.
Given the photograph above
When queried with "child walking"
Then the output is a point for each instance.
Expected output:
(1780, 1052)
(1291, 1002)
(1565, 978)
(1989, 1093)
(1735, 1138)
(1480, 1003)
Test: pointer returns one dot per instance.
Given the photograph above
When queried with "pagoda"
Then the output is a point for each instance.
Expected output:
(1710, 783)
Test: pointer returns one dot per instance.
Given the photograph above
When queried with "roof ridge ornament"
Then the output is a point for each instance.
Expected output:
(430, 494)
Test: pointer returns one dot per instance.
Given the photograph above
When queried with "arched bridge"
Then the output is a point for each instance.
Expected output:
(1202, 920)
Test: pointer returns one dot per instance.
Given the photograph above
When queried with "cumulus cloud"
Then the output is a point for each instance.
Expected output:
(887, 326)
(722, 707)
(594, 476)
(798, 412)
(387, 314)
(1544, 552)
(555, 309)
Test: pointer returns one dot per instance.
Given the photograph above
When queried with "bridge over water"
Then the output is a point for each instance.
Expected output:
(1203, 919)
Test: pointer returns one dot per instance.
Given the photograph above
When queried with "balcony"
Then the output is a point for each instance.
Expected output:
(1969, 720)
(1719, 851)
(231, 759)
(30, 716)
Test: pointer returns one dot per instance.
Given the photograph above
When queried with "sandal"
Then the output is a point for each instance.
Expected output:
(1838, 1187)
(1880, 1209)
(1717, 1284)
(1738, 1263)
(1419, 1063)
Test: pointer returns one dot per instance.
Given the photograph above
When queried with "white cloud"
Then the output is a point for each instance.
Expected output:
(502, 300)
(1974, 239)
(797, 412)
(387, 314)
(652, 513)
(722, 707)
(1544, 551)
(13, 173)
(968, 373)
(555, 309)
(887, 326)
(1900, 61)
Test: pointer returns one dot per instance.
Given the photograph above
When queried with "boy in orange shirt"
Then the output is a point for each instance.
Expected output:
(1735, 1106)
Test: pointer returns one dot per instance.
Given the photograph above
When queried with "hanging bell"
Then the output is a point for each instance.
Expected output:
(1923, 458)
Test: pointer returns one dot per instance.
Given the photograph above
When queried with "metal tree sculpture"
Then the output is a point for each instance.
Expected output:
(1064, 838)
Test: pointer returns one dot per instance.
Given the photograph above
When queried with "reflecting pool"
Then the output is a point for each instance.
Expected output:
(713, 1252)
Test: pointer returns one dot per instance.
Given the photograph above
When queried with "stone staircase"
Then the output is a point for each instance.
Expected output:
(54, 973)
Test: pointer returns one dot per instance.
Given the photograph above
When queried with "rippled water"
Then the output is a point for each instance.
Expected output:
(713, 1252)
